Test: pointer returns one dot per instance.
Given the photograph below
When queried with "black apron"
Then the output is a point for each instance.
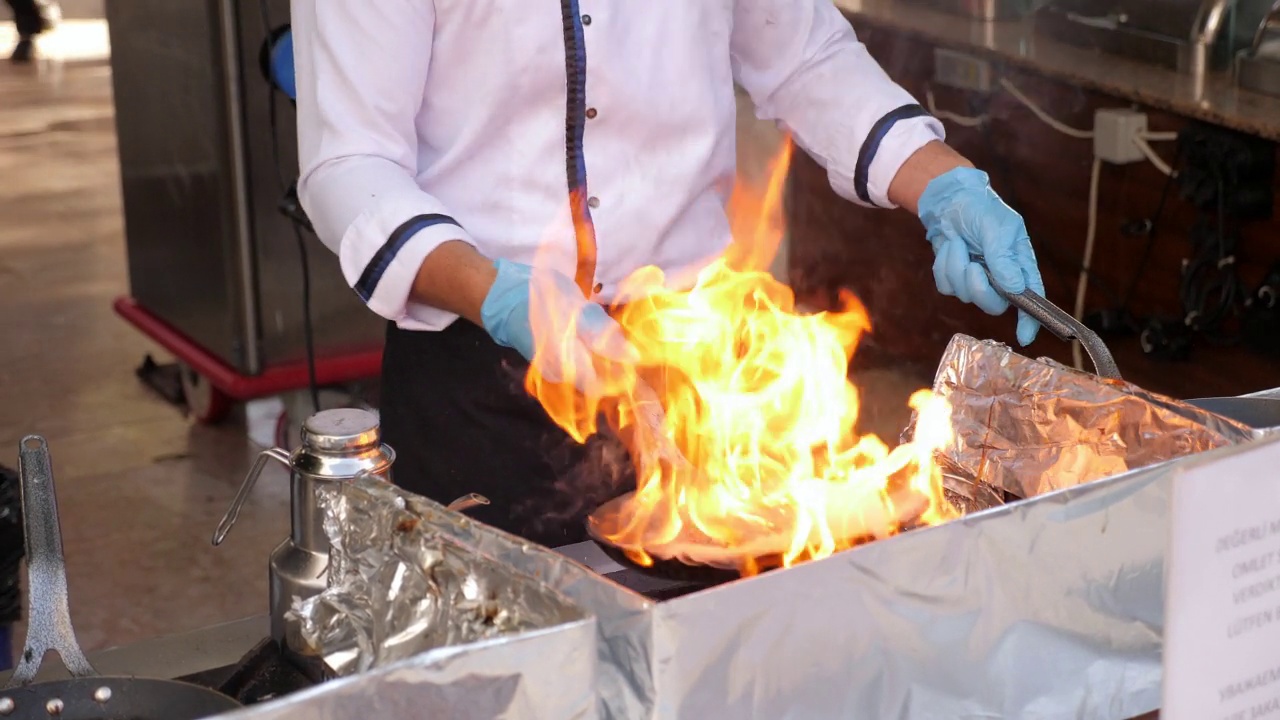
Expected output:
(454, 408)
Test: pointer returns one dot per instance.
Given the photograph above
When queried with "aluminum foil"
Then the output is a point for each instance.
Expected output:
(624, 649)
(398, 587)
(530, 676)
(1033, 426)
(1048, 608)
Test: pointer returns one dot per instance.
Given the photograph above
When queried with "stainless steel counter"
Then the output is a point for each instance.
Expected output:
(1015, 43)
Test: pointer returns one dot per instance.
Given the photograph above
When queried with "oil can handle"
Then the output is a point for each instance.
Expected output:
(466, 502)
(233, 512)
(49, 625)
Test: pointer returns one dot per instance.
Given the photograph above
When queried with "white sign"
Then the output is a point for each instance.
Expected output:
(1222, 591)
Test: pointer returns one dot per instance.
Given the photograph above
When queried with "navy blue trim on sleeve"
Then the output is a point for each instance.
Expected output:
(872, 144)
(575, 61)
(382, 259)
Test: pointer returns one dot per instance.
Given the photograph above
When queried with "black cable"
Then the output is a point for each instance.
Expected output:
(1067, 271)
(271, 102)
(1226, 282)
(308, 331)
(1211, 288)
(1153, 230)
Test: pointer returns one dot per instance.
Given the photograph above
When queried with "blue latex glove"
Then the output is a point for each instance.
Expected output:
(965, 219)
(523, 298)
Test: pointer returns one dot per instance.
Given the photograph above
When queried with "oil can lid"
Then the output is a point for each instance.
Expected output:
(341, 431)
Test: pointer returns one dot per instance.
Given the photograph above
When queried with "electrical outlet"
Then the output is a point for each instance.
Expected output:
(961, 71)
(1114, 134)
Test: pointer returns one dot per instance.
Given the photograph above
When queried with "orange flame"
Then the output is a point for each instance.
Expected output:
(758, 401)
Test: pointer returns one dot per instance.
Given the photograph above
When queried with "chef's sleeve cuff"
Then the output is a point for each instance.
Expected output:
(895, 137)
(381, 261)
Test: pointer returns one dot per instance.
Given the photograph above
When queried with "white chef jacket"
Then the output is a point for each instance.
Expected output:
(502, 122)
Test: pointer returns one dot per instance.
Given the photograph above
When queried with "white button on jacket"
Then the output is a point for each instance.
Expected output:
(499, 122)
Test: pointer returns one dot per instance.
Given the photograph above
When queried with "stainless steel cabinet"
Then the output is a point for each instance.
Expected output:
(209, 252)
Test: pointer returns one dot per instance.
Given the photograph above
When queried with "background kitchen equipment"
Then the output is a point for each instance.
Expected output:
(985, 9)
(86, 695)
(1192, 36)
(214, 264)
(337, 446)
(1258, 67)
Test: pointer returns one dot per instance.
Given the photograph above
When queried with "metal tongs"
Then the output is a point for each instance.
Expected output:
(1062, 324)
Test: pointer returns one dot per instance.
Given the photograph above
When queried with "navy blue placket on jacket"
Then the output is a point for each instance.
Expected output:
(575, 64)
(575, 55)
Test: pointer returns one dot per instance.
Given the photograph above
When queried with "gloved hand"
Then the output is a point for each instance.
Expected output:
(523, 299)
(965, 219)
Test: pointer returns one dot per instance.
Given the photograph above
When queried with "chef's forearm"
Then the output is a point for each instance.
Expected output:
(924, 165)
(454, 277)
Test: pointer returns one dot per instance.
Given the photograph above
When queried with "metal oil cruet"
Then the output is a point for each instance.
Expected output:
(337, 446)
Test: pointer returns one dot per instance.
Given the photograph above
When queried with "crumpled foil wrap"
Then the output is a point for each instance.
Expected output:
(1033, 426)
(398, 587)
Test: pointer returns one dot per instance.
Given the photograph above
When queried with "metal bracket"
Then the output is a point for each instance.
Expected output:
(49, 627)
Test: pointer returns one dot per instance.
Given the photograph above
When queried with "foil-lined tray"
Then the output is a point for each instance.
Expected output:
(398, 588)
(1029, 427)
(417, 624)
(1049, 607)
(581, 669)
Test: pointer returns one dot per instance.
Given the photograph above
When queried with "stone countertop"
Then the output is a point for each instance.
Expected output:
(1215, 99)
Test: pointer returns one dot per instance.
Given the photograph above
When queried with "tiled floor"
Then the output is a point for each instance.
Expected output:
(140, 488)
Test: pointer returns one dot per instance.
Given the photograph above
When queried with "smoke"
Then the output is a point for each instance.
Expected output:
(585, 476)
(588, 476)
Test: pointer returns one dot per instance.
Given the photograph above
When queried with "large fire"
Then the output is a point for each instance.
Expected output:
(759, 405)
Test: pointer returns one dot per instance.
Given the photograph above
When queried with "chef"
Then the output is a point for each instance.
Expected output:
(459, 155)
